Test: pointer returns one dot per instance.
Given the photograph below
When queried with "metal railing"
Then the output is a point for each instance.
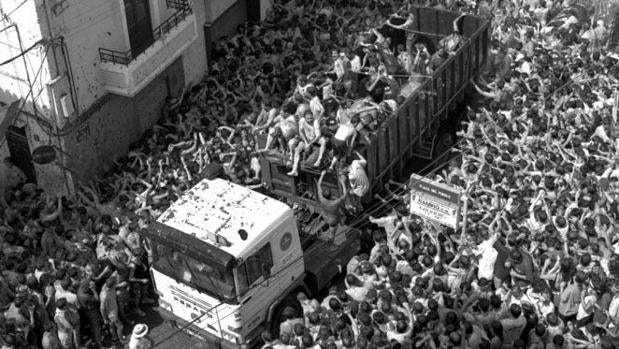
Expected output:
(177, 4)
(172, 21)
(183, 10)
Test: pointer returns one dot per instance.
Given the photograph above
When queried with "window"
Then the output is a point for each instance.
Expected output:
(252, 269)
(215, 280)
(139, 25)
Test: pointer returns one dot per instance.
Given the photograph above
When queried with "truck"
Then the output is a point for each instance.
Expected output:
(227, 260)
(424, 126)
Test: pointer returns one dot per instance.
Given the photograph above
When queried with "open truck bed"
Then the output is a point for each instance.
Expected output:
(418, 119)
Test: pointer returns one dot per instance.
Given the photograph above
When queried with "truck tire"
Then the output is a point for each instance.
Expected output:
(278, 315)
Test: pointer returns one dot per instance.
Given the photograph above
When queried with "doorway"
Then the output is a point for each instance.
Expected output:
(139, 25)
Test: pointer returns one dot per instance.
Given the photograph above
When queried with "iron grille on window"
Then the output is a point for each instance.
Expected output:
(183, 9)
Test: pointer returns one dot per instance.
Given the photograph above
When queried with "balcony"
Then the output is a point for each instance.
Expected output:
(125, 73)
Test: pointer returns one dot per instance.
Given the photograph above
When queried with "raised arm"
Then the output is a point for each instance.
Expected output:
(55, 214)
(322, 176)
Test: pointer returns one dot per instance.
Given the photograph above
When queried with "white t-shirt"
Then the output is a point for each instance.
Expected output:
(613, 309)
(69, 296)
(488, 258)
(340, 67)
(582, 312)
(546, 309)
(359, 181)
(357, 293)
(355, 64)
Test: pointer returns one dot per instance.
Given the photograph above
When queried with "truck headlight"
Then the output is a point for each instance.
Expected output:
(229, 336)
(165, 305)
(235, 329)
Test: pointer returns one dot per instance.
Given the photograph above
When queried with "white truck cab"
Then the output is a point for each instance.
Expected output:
(222, 255)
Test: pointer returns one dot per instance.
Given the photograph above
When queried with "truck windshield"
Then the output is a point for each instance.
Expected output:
(215, 280)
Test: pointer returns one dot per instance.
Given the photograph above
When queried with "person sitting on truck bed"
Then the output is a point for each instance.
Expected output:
(421, 61)
(401, 21)
(286, 132)
(300, 91)
(368, 113)
(310, 134)
(438, 58)
(455, 40)
(330, 208)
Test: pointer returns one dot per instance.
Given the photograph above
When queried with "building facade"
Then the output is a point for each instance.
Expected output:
(88, 77)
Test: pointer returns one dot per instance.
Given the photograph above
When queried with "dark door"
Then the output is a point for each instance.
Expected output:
(19, 149)
(139, 25)
(253, 11)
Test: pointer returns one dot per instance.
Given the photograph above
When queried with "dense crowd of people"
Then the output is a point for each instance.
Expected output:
(537, 266)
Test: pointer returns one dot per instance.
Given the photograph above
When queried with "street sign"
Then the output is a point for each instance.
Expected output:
(44, 154)
(435, 201)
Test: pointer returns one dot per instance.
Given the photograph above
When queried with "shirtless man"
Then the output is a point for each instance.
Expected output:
(310, 134)
(286, 132)
(330, 208)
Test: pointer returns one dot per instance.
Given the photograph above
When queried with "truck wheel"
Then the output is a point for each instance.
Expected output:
(278, 315)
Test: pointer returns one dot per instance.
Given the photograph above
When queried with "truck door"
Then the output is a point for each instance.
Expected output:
(253, 279)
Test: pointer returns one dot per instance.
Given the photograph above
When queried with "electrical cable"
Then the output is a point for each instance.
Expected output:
(23, 52)
(15, 9)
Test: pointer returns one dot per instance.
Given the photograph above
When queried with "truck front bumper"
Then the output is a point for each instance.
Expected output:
(212, 341)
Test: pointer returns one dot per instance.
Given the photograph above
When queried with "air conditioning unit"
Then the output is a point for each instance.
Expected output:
(66, 104)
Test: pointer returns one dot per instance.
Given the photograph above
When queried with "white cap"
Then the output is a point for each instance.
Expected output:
(139, 331)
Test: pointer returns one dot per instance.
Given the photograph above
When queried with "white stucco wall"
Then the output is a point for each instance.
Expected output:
(88, 25)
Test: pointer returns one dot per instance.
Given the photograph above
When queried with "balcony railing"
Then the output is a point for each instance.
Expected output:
(177, 4)
(183, 9)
